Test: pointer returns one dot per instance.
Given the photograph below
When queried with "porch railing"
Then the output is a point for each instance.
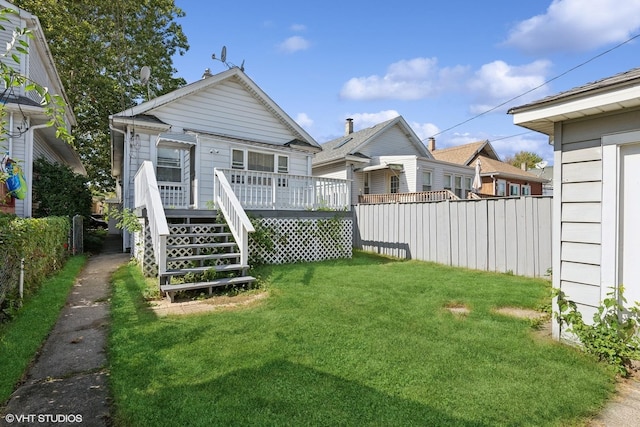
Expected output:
(174, 194)
(423, 196)
(266, 190)
(236, 217)
(147, 195)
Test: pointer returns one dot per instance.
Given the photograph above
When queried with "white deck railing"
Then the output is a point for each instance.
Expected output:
(147, 195)
(274, 191)
(236, 217)
(174, 194)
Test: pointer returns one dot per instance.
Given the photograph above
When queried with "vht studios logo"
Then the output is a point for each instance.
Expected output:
(43, 418)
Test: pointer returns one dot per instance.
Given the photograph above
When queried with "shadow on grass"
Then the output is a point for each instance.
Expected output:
(286, 393)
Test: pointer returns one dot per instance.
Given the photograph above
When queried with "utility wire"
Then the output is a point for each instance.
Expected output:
(537, 87)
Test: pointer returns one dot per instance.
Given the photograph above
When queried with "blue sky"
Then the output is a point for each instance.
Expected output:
(436, 63)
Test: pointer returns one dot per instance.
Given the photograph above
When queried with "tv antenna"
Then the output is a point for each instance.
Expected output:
(541, 165)
(223, 59)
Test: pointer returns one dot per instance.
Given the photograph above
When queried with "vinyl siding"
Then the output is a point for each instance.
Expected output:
(393, 141)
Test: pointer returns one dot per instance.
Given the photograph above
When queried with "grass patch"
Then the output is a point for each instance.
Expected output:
(366, 341)
(21, 338)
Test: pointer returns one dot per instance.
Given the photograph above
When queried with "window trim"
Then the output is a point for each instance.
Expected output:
(430, 184)
(393, 178)
(513, 185)
(180, 159)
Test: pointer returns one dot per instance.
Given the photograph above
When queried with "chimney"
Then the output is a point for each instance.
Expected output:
(207, 73)
(432, 144)
(348, 127)
(523, 166)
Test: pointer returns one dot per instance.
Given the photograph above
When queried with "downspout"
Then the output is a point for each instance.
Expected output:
(28, 163)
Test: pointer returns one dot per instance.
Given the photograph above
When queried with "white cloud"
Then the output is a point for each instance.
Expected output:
(298, 27)
(365, 120)
(412, 79)
(424, 130)
(304, 120)
(576, 25)
(497, 82)
(294, 44)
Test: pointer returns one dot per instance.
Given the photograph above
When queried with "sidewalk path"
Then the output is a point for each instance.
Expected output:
(69, 377)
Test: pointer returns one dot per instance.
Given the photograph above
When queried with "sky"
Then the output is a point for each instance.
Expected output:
(451, 68)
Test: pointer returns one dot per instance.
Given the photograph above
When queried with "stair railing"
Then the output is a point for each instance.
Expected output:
(234, 214)
(147, 195)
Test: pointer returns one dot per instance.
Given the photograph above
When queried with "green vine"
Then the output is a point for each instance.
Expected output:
(613, 335)
(125, 219)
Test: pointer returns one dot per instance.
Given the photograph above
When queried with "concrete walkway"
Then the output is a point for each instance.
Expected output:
(69, 378)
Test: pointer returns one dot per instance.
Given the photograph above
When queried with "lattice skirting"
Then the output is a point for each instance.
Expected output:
(296, 239)
(143, 250)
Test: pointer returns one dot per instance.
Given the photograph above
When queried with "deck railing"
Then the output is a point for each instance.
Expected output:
(274, 191)
(147, 195)
(174, 194)
(423, 196)
(236, 218)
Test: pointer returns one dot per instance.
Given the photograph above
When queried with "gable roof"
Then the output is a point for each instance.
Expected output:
(349, 146)
(609, 94)
(146, 108)
(493, 167)
(465, 154)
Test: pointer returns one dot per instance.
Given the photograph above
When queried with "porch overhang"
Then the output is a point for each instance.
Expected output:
(176, 140)
(388, 166)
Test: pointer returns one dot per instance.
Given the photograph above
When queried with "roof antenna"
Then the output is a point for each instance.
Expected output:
(223, 59)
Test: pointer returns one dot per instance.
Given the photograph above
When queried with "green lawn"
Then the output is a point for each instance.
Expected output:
(357, 342)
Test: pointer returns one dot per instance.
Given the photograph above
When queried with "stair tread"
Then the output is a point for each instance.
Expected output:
(198, 257)
(202, 245)
(224, 267)
(200, 235)
(210, 283)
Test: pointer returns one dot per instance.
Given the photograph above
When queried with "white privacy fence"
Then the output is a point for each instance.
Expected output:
(502, 235)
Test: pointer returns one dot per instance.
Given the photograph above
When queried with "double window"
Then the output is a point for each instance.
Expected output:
(258, 161)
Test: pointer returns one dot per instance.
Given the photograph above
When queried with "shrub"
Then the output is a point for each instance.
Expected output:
(613, 336)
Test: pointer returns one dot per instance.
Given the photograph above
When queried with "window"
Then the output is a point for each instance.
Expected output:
(367, 190)
(283, 164)
(467, 183)
(526, 190)
(169, 167)
(514, 189)
(260, 162)
(395, 184)
(426, 181)
(237, 159)
(501, 188)
(447, 182)
(458, 182)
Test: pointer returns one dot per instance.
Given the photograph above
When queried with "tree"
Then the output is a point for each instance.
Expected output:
(59, 191)
(99, 48)
(526, 157)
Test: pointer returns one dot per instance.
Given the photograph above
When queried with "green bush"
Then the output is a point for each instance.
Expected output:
(42, 242)
(613, 335)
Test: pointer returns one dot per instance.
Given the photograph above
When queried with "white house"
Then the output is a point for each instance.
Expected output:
(388, 160)
(27, 135)
(595, 131)
(218, 142)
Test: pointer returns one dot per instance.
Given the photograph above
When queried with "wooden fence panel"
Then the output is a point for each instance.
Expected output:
(503, 235)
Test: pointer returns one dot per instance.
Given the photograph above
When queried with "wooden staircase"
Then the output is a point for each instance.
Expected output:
(201, 254)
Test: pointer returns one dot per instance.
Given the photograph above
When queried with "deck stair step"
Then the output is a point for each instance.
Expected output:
(211, 245)
(202, 257)
(170, 290)
(199, 235)
(220, 268)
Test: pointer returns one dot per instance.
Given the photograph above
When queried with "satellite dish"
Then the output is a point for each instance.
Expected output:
(145, 73)
(223, 54)
(541, 165)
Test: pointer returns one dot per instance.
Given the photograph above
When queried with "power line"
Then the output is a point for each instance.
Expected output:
(539, 86)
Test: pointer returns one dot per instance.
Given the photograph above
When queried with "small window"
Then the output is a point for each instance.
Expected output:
(514, 189)
(468, 182)
(501, 188)
(426, 181)
(169, 168)
(283, 164)
(526, 190)
(237, 159)
(367, 190)
(395, 184)
(447, 182)
(458, 181)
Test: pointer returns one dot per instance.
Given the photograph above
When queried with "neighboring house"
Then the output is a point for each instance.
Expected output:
(499, 179)
(219, 142)
(27, 136)
(546, 173)
(388, 159)
(595, 130)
